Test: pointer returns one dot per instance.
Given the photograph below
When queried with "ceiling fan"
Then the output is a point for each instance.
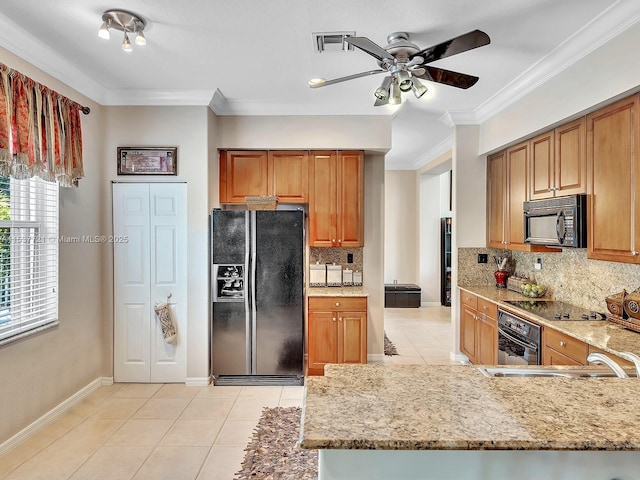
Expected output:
(406, 63)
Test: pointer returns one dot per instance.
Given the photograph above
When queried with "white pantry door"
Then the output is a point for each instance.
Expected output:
(150, 266)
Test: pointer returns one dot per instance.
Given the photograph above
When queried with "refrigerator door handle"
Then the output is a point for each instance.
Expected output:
(254, 338)
(248, 287)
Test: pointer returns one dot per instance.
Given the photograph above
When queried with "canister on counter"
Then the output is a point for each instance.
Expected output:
(317, 275)
(334, 275)
(357, 279)
(347, 277)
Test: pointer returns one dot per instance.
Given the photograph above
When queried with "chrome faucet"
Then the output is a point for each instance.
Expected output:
(597, 357)
(632, 357)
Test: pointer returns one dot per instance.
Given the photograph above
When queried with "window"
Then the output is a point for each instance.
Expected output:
(28, 256)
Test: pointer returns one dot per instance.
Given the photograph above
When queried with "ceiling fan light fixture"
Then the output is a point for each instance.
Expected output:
(396, 94)
(316, 82)
(418, 87)
(382, 92)
(404, 80)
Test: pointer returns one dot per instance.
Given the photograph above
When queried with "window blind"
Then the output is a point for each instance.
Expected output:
(28, 255)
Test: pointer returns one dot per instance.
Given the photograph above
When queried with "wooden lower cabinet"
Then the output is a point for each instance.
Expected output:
(478, 329)
(337, 332)
(561, 349)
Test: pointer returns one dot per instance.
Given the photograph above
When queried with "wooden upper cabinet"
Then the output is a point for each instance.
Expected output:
(517, 174)
(336, 199)
(571, 158)
(258, 172)
(288, 176)
(507, 186)
(558, 165)
(542, 166)
(613, 181)
(350, 199)
(242, 174)
(496, 193)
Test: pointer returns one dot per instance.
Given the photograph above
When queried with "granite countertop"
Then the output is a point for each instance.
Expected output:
(604, 335)
(337, 292)
(455, 407)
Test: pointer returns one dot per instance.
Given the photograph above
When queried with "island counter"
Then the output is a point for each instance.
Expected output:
(411, 421)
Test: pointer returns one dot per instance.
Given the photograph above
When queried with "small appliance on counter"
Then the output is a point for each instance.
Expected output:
(347, 278)
(334, 275)
(317, 275)
(357, 279)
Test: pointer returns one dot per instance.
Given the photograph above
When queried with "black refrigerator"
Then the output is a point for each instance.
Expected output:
(257, 283)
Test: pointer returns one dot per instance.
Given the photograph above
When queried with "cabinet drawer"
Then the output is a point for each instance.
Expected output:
(338, 304)
(490, 308)
(566, 345)
(469, 299)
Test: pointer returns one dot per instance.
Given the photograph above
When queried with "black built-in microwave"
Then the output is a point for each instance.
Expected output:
(557, 222)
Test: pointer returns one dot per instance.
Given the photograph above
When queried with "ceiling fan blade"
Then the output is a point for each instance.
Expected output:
(462, 43)
(447, 77)
(324, 83)
(373, 49)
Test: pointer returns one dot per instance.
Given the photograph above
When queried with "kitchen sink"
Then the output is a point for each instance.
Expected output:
(573, 372)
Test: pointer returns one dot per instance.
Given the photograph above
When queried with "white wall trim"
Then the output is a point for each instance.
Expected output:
(197, 381)
(458, 357)
(106, 381)
(53, 414)
(375, 358)
(430, 304)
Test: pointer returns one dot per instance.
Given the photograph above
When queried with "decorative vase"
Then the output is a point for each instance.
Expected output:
(501, 278)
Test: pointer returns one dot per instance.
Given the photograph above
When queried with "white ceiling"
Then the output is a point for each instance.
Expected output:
(259, 55)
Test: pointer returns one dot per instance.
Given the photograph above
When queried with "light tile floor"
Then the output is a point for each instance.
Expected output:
(153, 431)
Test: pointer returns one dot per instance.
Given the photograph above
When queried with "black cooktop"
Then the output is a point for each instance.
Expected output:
(554, 310)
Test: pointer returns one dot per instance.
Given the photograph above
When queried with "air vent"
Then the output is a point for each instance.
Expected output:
(332, 41)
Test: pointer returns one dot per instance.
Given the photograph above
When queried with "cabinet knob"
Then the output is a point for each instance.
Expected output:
(334, 319)
(340, 318)
(634, 253)
(333, 241)
(563, 344)
(550, 189)
(339, 240)
(337, 304)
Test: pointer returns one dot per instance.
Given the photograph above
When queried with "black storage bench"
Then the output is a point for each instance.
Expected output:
(402, 295)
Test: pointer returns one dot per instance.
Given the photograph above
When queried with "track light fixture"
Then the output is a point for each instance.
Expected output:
(126, 22)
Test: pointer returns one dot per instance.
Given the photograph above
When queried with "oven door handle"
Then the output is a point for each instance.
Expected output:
(522, 343)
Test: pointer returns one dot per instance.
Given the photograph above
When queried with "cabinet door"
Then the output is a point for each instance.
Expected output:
(571, 158)
(613, 180)
(551, 357)
(542, 166)
(288, 176)
(246, 175)
(350, 214)
(323, 199)
(497, 180)
(517, 173)
(487, 340)
(322, 341)
(353, 341)
(468, 332)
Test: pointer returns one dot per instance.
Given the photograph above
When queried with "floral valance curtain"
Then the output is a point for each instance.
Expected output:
(40, 132)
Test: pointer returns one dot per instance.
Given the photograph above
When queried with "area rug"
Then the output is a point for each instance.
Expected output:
(389, 348)
(272, 452)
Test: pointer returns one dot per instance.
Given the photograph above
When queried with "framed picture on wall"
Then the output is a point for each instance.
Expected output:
(147, 160)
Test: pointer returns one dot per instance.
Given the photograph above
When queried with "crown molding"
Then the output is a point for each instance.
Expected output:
(451, 119)
(621, 15)
(24, 45)
(440, 149)
(158, 97)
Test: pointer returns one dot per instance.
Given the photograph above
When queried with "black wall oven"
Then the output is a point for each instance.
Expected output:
(519, 341)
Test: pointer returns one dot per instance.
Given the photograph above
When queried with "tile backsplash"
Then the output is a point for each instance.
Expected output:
(570, 276)
(338, 256)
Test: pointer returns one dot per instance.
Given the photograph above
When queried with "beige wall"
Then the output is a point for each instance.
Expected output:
(40, 371)
(402, 222)
(188, 129)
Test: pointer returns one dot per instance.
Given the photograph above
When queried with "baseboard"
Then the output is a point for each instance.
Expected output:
(106, 381)
(375, 358)
(197, 381)
(458, 357)
(52, 414)
(430, 304)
